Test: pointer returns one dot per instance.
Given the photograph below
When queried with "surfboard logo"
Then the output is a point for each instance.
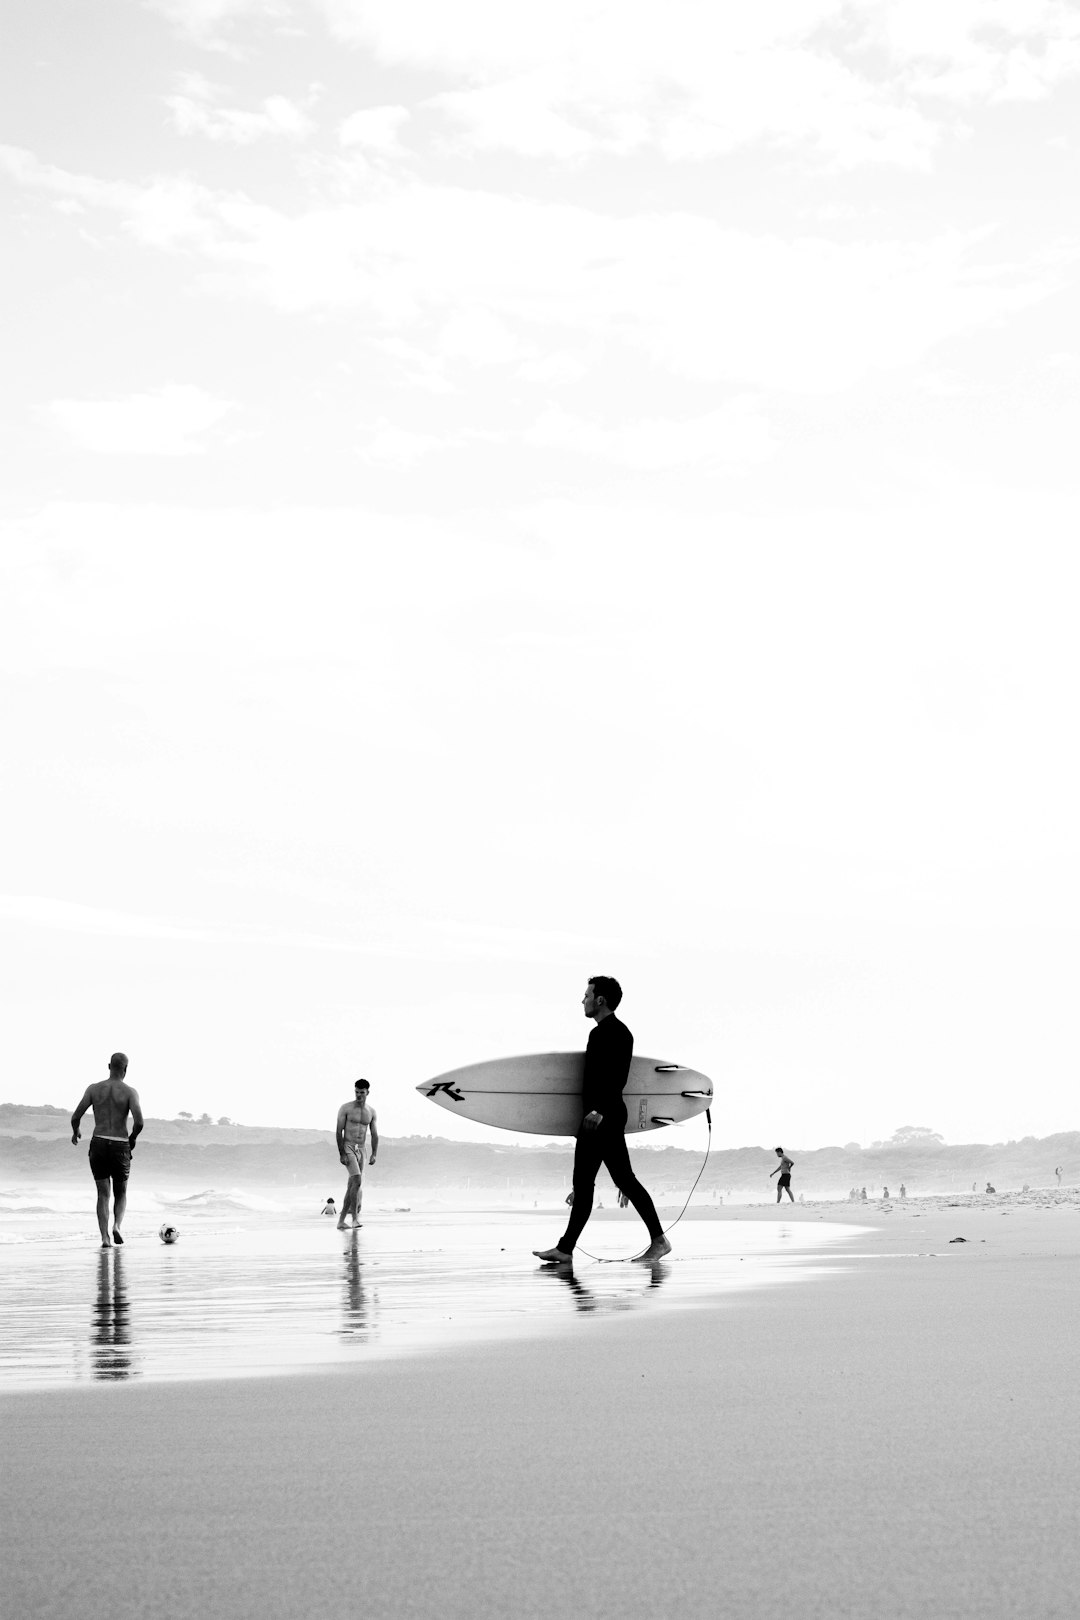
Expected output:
(450, 1089)
(643, 1113)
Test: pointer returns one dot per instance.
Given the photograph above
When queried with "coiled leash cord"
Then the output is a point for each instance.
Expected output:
(621, 1259)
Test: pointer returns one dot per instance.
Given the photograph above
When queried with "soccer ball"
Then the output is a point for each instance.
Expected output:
(169, 1234)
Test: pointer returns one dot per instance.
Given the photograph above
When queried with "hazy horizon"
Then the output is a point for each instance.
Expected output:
(685, 1138)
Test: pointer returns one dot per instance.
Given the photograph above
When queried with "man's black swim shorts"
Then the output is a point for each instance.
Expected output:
(109, 1160)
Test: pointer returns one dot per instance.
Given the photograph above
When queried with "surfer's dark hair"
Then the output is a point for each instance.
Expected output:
(365, 1083)
(118, 1061)
(610, 989)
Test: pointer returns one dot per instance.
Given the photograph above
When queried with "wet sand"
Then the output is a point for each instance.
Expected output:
(893, 1433)
(246, 1293)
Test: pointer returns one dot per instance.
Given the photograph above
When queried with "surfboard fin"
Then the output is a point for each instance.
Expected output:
(661, 1119)
(697, 1093)
(668, 1068)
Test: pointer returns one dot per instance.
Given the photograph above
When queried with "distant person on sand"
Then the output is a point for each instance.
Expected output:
(601, 1138)
(110, 1146)
(785, 1168)
(354, 1120)
(1057, 1173)
(903, 1190)
(990, 1189)
(329, 1208)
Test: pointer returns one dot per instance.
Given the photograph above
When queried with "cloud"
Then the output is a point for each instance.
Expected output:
(374, 128)
(418, 367)
(736, 435)
(167, 212)
(557, 368)
(980, 50)
(817, 108)
(414, 940)
(391, 446)
(834, 82)
(27, 170)
(618, 37)
(209, 23)
(690, 80)
(697, 299)
(519, 115)
(478, 336)
(69, 916)
(195, 115)
(44, 912)
(160, 423)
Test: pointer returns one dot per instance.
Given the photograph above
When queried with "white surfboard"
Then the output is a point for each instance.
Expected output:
(540, 1093)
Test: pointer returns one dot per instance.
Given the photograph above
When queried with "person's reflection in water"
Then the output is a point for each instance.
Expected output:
(586, 1300)
(110, 1323)
(357, 1307)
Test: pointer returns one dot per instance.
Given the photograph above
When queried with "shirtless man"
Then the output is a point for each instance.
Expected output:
(110, 1146)
(785, 1168)
(353, 1122)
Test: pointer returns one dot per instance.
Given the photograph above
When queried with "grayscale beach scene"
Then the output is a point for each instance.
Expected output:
(539, 877)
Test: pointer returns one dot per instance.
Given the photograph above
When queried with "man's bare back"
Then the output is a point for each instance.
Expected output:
(112, 1101)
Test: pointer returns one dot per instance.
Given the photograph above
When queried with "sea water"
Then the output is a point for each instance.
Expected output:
(260, 1284)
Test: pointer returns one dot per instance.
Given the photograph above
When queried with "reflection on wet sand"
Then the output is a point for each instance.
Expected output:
(255, 1298)
(111, 1356)
(639, 1284)
(359, 1309)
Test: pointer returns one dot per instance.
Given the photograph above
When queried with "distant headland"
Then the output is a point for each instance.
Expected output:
(35, 1145)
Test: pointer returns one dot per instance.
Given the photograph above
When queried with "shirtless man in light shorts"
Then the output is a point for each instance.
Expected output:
(111, 1145)
(354, 1120)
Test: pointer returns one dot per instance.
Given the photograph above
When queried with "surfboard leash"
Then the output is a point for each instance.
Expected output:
(622, 1259)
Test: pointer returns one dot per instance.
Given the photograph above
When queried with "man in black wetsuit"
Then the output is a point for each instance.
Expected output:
(600, 1139)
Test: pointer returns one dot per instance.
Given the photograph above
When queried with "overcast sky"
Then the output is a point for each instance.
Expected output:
(500, 492)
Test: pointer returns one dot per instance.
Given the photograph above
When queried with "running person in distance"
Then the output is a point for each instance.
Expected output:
(601, 1139)
(111, 1145)
(785, 1168)
(355, 1119)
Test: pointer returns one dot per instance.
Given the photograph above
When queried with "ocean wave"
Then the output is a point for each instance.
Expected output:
(67, 1200)
(233, 1199)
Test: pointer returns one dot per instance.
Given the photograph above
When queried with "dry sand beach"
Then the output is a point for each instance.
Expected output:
(892, 1431)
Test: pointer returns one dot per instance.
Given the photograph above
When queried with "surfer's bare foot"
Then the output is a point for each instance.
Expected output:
(553, 1257)
(342, 1227)
(105, 1244)
(656, 1250)
(116, 1235)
